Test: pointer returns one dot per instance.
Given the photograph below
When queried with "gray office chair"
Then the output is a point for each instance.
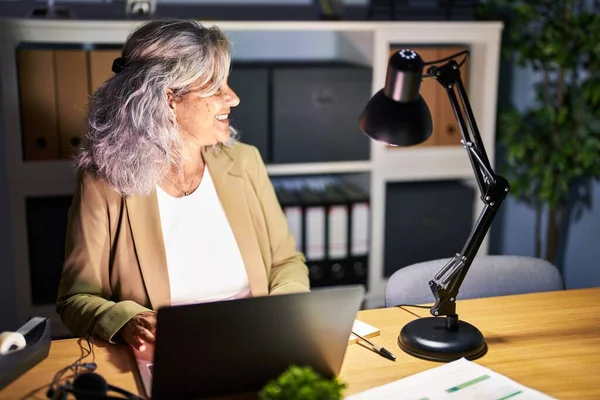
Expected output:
(488, 276)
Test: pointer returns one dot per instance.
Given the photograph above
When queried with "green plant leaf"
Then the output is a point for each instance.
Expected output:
(301, 383)
(562, 116)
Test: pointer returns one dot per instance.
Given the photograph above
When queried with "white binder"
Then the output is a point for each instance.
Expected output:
(315, 233)
(338, 232)
(360, 229)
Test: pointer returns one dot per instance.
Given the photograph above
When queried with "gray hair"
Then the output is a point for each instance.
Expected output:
(132, 140)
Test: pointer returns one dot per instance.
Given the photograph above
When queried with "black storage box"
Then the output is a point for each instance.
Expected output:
(251, 82)
(315, 112)
(426, 221)
(47, 219)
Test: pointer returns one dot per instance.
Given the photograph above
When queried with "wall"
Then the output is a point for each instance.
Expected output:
(513, 231)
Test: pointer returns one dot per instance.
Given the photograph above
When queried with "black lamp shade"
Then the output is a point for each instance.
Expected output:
(397, 114)
(398, 124)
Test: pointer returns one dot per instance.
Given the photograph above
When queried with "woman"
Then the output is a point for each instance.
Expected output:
(168, 208)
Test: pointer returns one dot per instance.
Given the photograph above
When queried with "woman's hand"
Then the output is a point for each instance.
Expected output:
(140, 330)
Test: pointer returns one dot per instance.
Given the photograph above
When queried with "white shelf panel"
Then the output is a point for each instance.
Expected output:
(43, 188)
(117, 31)
(42, 171)
(425, 163)
(47, 173)
(320, 168)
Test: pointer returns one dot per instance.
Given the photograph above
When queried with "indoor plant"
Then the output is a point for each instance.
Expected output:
(302, 383)
(555, 143)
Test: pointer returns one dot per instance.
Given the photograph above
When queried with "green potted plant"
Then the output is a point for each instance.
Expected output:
(555, 143)
(302, 383)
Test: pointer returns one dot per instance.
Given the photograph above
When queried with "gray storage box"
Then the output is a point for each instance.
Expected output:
(315, 113)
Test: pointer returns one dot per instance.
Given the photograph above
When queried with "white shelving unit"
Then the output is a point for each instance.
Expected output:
(366, 43)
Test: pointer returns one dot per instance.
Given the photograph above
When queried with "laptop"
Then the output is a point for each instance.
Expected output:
(236, 346)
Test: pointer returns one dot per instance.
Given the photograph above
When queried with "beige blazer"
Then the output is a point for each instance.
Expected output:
(115, 263)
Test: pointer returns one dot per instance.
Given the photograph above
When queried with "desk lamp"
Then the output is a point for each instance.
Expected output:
(398, 115)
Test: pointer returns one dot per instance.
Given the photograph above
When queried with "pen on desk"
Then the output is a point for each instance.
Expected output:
(378, 349)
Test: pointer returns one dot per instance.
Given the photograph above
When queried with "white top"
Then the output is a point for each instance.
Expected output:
(204, 261)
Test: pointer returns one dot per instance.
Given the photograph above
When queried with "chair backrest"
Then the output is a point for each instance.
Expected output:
(489, 275)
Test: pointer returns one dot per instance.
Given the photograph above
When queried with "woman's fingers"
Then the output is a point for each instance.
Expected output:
(145, 335)
(140, 330)
(149, 322)
(134, 341)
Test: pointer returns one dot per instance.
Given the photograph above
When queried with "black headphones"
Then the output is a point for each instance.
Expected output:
(87, 385)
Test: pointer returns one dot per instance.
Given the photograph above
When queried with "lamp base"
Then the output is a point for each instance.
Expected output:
(429, 339)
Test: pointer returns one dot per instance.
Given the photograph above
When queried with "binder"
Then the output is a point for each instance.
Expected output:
(334, 234)
(358, 233)
(337, 231)
(360, 215)
(72, 98)
(336, 237)
(292, 208)
(314, 224)
(335, 227)
(100, 61)
(37, 90)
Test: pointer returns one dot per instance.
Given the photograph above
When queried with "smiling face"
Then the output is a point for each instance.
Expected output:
(204, 120)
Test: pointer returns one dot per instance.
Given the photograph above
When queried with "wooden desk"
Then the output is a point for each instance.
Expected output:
(547, 341)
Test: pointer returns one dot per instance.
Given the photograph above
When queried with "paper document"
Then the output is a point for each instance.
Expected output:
(460, 379)
(363, 329)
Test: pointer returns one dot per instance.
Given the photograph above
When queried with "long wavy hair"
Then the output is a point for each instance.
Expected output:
(132, 140)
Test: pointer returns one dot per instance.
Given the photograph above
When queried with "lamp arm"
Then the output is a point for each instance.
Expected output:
(493, 190)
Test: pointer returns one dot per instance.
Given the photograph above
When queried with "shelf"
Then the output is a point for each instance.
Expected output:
(425, 163)
(320, 168)
(449, 162)
(366, 43)
(42, 171)
(51, 173)
(117, 31)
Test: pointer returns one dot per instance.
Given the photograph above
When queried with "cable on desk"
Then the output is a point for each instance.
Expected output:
(75, 366)
(413, 305)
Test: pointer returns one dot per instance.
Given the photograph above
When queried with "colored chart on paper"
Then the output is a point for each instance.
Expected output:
(460, 379)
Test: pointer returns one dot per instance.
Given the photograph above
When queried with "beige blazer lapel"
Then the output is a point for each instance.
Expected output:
(144, 220)
(228, 179)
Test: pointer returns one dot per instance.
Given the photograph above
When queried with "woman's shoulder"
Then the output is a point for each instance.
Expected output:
(91, 183)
